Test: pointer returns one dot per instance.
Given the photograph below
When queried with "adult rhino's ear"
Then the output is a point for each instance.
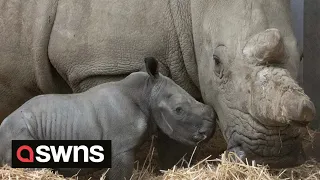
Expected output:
(151, 65)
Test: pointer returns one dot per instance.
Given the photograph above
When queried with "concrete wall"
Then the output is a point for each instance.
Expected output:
(311, 61)
(297, 7)
(305, 16)
(297, 17)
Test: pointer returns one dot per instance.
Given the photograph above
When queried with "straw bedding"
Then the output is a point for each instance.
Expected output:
(209, 168)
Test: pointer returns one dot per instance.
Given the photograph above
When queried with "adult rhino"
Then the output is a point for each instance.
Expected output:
(239, 56)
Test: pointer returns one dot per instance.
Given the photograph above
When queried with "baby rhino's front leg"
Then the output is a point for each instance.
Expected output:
(122, 166)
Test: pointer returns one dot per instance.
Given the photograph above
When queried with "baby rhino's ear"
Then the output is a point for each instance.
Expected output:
(151, 66)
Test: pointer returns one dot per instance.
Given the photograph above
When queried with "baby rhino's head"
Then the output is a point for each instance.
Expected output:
(176, 112)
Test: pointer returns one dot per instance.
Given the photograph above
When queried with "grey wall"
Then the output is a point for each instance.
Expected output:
(297, 17)
(311, 62)
(305, 16)
(297, 24)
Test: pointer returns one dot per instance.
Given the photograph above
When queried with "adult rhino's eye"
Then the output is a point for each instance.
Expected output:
(216, 60)
(217, 66)
(179, 110)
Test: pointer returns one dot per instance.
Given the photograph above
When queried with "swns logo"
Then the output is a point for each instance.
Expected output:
(61, 154)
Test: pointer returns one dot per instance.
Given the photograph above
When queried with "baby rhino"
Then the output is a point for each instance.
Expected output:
(127, 112)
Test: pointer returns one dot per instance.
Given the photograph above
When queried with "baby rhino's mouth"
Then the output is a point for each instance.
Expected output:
(200, 137)
(205, 132)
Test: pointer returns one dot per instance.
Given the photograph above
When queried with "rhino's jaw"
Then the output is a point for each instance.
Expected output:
(277, 147)
(295, 158)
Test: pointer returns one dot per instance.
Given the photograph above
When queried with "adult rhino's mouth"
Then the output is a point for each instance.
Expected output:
(292, 159)
(275, 146)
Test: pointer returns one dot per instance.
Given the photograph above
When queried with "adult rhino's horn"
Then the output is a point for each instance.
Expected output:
(265, 47)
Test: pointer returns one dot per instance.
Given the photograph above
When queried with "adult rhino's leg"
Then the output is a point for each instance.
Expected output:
(17, 78)
(171, 152)
(25, 69)
(16, 87)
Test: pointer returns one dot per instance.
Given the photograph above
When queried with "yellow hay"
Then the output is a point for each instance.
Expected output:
(210, 168)
(217, 169)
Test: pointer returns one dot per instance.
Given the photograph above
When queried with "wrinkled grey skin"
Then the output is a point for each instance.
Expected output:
(126, 112)
(253, 70)
(71, 45)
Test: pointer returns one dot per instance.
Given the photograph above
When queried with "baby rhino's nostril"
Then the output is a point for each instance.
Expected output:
(199, 137)
(202, 131)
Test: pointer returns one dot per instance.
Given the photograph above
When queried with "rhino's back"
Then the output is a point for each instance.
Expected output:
(107, 37)
(56, 117)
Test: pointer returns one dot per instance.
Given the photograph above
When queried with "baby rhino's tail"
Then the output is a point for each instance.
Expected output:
(10, 129)
(5, 148)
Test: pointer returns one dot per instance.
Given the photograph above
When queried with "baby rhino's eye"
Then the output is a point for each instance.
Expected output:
(179, 110)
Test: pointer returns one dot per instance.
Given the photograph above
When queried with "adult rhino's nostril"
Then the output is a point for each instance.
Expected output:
(240, 154)
(306, 111)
